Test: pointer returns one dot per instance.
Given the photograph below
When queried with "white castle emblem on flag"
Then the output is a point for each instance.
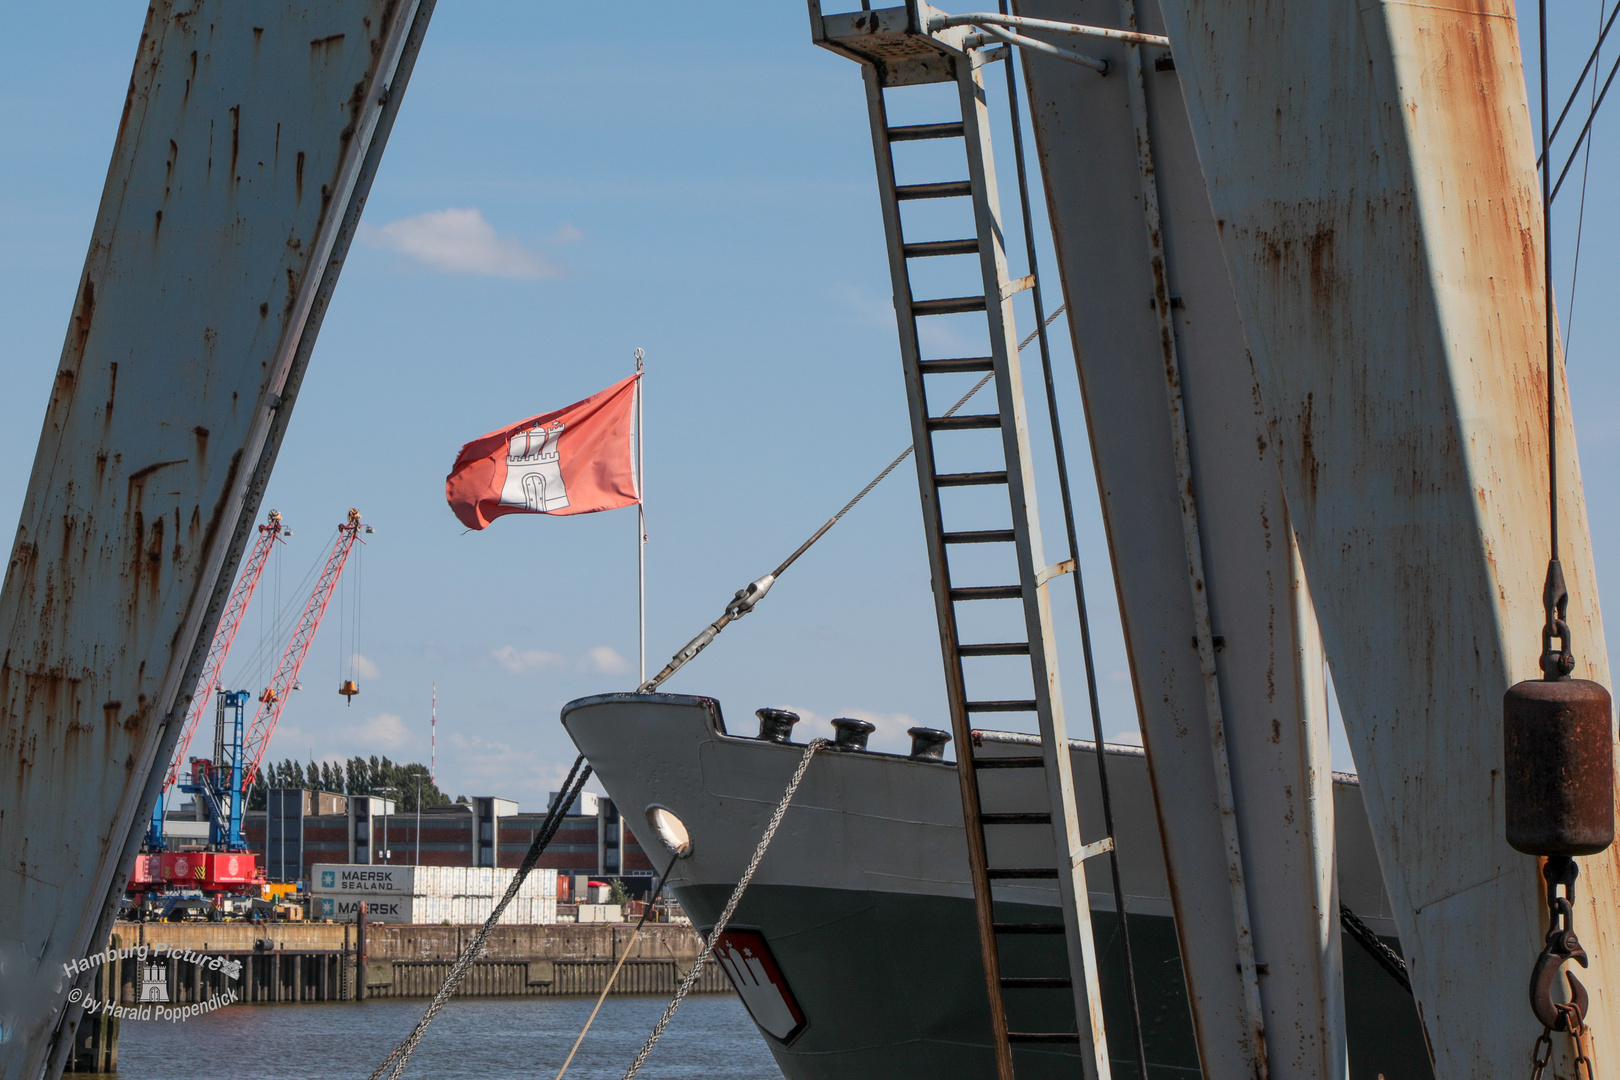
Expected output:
(533, 476)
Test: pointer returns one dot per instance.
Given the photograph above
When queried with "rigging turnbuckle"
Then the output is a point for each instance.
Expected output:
(1562, 946)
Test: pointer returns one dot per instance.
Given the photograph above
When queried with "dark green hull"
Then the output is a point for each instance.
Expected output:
(892, 988)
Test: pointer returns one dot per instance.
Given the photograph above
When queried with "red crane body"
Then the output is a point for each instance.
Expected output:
(274, 698)
(229, 623)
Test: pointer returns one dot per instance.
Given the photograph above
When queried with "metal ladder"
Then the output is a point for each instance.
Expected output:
(894, 50)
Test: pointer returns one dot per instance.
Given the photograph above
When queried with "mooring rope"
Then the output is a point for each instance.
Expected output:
(725, 916)
(614, 975)
(401, 1054)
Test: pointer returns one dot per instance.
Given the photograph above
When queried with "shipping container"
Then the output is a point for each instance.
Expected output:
(347, 878)
(432, 894)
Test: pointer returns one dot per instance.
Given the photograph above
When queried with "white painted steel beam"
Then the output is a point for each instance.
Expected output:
(1373, 171)
(249, 139)
(1246, 675)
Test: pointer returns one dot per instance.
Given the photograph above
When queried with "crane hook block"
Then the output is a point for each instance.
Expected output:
(1558, 759)
(349, 689)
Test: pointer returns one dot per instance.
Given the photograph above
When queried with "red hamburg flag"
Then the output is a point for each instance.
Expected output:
(576, 460)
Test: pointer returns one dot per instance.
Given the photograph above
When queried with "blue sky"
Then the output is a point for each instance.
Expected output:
(555, 195)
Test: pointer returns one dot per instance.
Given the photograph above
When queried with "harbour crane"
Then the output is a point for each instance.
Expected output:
(213, 666)
(285, 680)
(223, 781)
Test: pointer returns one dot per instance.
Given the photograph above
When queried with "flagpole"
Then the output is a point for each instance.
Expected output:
(641, 532)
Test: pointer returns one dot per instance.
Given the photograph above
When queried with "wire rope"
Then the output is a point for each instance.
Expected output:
(1580, 214)
(725, 916)
(1138, 1043)
(394, 1064)
(1547, 193)
(1581, 81)
(747, 597)
(253, 669)
(1586, 129)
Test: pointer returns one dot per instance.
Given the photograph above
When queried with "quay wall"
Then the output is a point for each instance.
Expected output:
(300, 962)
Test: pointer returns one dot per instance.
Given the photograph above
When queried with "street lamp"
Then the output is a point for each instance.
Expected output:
(387, 855)
(418, 819)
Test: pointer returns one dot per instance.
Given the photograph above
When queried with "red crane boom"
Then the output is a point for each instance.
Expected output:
(229, 623)
(274, 698)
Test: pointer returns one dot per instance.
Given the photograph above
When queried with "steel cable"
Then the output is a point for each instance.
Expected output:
(1586, 167)
(725, 916)
(1138, 1043)
(746, 598)
(1581, 80)
(394, 1064)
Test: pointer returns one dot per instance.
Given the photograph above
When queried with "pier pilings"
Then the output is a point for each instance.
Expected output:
(313, 962)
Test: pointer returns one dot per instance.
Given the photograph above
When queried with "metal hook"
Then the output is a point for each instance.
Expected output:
(1562, 945)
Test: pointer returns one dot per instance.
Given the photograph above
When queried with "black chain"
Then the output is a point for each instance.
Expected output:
(1387, 958)
(1560, 873)
(1541, 1054)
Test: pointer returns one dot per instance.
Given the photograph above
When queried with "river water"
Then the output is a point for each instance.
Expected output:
(471, 1039)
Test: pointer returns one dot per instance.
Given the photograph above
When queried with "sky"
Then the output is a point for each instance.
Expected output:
(553, 197)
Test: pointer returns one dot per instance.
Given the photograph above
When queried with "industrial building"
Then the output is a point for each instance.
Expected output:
(303, 828)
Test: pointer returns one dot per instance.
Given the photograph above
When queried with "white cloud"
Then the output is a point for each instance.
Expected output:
(517, 661)
(885, 722)
(460, 241)
(1131, 737)
(364, 668)
(868, 311)
(889, 737)
(600, 660)
(383, 730)
(606, 661)
(488, 767)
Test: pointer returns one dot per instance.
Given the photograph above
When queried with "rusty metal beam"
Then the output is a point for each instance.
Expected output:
(1218, 624)
(1373, 171)
(249, 140)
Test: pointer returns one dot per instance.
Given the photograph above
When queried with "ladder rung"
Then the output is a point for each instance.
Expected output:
(981, 536)
(912, 132)
(949, 190)
(930, 248)
(1043, 1036)
(949, 305)
(1017, 982)
(1010, 648)
(988, 592)
(1000, 706)
(949, 367)
(1021, 875)
(1015, 819)
(1017, 285)
(1028, 928)
(964, 423)
(969, 479)
(1009, 763)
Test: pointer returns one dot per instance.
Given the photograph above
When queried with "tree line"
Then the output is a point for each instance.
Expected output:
(399, 781)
